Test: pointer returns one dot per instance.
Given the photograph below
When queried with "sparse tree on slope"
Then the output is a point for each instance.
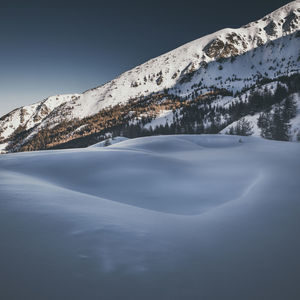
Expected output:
(242, 127)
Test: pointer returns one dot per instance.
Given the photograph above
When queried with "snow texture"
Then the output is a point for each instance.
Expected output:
(166, 217)
(109, 141)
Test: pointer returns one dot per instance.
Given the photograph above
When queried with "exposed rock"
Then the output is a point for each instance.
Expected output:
(159, 80)
(291, 22)
(228, 50)
(203, 64)
(219, 49)
(23, 111)
(271, 28)
(234, 38)
(174, 75)
(214, 48)
(259, 41)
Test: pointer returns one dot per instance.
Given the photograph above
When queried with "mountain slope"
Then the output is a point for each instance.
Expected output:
(165, 71)
(29, 116)
(231, 60)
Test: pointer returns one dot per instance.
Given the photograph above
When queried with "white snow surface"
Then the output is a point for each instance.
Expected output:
(110, 141)
(262, 48)
(2, 147)
(166, 217)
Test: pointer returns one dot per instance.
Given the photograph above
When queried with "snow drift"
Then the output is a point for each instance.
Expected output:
(173, 217)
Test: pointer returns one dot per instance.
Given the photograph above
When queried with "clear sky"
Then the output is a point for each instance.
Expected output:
(55, 47)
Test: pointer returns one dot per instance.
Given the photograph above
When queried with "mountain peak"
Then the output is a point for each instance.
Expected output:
(229, 59)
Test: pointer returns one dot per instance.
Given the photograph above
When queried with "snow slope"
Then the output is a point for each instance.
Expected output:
(109, 141)
(31, 115)
(294, 123)
(166, 217)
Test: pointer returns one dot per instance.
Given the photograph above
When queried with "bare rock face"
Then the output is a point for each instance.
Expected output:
(214, 48)
(258, 40)
(271, 28)
(291, 22)
(23, 112)
(42, 111)
(203, 64)
(229, 50)
(218, 49)
(234, 38)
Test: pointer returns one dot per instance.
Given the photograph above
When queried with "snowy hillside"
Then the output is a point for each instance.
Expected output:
(29, 116)
(230, 60)
(109, 141)
(165, 71)
(294, 129)
(173, 217)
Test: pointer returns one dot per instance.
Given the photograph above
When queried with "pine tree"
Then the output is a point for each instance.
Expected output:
(242, 127)
(280, 128)
(265, 124)
(289, 109)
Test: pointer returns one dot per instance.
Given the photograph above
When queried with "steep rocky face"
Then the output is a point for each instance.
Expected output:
(230, 59)
(219, 49)
(230, 47)
(291, 21)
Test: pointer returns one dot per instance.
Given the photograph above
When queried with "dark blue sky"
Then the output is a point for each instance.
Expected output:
(54, 47)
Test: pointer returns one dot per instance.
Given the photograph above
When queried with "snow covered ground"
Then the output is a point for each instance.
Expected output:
(109, 141)
(167, 217)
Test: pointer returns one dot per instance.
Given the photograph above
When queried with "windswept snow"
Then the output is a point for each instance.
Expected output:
(109, 141)
(167, 217)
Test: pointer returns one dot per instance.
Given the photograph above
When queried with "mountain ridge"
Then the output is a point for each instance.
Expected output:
(178, 71)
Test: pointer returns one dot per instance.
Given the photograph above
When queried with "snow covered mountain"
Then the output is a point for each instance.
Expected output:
(225, 63)
(27, 117)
